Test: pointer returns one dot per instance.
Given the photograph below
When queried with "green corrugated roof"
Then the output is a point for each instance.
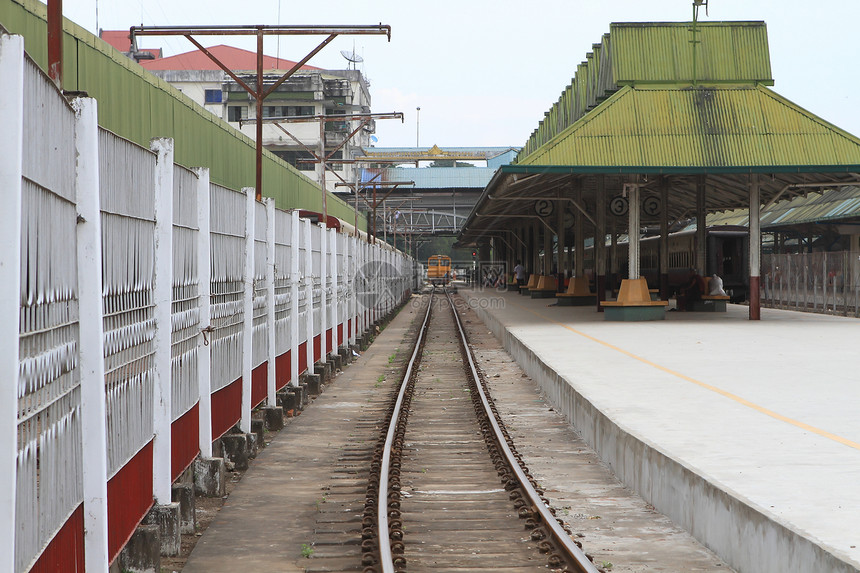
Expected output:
(832, 205)
(698, 127)
(662, 52)
(658, 53)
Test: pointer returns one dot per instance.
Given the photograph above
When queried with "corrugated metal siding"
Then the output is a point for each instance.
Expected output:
(435, 177)
(140, 106)
(840, 203)
(657, 53)
(663, 52)
(709, 127)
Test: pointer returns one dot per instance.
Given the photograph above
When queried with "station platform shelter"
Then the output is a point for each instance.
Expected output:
(661, 123)
(745, 434)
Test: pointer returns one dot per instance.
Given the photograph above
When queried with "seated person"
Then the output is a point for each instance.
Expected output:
(716, 286)
(690, 291)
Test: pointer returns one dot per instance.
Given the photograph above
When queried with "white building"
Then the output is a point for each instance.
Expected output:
(309, 92)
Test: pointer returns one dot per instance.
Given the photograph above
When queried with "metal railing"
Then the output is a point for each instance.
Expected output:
(826, 283)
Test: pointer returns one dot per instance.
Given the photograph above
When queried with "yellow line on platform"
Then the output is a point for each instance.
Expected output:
(721, 392)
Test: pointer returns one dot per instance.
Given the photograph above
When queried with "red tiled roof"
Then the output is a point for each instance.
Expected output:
(119, 39)
(235, 59)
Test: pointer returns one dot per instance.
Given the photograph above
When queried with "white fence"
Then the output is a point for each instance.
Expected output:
(137, 298)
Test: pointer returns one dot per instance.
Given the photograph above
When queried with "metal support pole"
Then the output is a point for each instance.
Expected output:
(561, 205)
(664, 238)
(55, 41)
(600, 243)
(547, 252)
(259, 97)
(578, 234)
(755, 249)
(701, 227)
(322, 168)
(633, 232)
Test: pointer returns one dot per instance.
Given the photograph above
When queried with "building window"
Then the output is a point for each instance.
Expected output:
(275, 111)
(213, 96)
(237, 112)
(292, 157)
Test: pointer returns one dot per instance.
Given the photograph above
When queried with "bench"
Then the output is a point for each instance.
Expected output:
(634, 303)
(709, 302)
(577, 293)
(524, 290)
(546, 287)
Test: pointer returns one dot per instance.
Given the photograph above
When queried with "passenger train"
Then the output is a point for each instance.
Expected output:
(727, 255)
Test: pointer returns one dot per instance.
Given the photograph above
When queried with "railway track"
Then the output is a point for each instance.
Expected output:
(447, 490)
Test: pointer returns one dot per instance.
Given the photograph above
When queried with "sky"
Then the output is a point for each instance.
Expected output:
(484, 72)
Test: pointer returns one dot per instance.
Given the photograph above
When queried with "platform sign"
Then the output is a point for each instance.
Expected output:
(652, 206)
(619, 206)
(544, 207)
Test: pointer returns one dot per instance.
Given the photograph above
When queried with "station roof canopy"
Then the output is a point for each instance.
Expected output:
(652, 102)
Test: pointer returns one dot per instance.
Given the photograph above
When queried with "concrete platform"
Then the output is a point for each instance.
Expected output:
(746, 434)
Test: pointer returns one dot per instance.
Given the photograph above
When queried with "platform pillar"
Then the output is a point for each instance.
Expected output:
(664, 238)
(600, 243)
(755, 248)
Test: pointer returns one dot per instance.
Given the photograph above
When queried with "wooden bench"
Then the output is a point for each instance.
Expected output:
(524, 290)
(709, 302)
(634, 303)
(546, 287)
(577, 293)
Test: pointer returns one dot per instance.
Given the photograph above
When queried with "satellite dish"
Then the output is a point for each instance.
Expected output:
(351, 57)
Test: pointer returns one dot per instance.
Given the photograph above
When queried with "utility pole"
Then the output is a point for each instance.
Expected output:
(260, 92)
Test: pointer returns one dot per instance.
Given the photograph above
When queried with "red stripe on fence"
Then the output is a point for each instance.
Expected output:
(349, 328)
(328, 337)
(303, 357)
(226, 408)
(259, 384)
(184, 441)
(129, 494)
(65, 552)
(317, 348)
(339, 335)
(283, 369)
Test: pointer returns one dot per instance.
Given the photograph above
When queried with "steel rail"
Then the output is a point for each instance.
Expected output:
(575, 554)
(385, 556)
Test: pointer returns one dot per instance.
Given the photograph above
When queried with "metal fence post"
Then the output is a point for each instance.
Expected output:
(11, 171)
